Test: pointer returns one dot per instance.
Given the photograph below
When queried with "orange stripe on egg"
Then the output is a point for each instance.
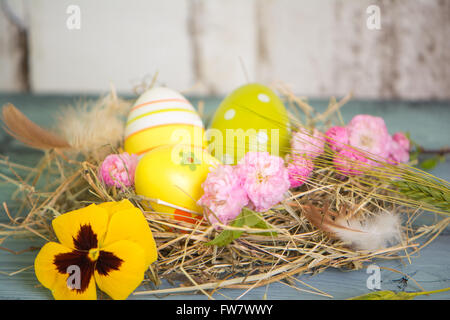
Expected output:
(159, 111)
(163, 118)
(158, 101)
(181, 145)
(160, 126)
(162, 135)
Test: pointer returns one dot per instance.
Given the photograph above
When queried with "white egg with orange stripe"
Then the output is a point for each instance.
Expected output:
(162, 116)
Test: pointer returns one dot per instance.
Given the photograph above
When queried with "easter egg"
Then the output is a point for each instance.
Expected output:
(171, 176)
(161, 116)
(251, 118)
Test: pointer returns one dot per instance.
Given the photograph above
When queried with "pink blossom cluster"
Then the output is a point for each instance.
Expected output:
(307, 144)
(299, 170)
(305, 147)
(223, 195)
(258, 181)
(399, 146)
(370, 135)
(118, 170)
(264, 178)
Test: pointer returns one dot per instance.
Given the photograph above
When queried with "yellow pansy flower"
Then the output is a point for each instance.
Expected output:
(108, 245)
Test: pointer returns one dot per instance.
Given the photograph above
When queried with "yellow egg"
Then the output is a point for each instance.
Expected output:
(251, 118)
(162, 116)
(172, 176)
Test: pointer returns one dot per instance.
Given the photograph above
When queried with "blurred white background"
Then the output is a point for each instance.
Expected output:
(320, 48)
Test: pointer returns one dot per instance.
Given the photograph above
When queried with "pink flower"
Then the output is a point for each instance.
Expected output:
(397, 152)
(369, 134)
(402, 140)
(223, 194)
(118, 170)
(349, 162)
(337, 137)
(304, 143)
(265, 179)
(299, 170)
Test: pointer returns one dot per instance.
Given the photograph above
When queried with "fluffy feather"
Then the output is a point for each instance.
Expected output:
(95, 130)
(26, 131)
(371, 234)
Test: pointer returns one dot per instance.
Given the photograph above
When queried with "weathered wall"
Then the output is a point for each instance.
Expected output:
(13, 48)
(319, 48)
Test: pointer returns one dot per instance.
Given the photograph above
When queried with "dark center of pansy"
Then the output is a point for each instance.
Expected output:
(93, 254)
(86, 258)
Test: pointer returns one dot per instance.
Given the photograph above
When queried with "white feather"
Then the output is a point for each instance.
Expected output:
(371, 234)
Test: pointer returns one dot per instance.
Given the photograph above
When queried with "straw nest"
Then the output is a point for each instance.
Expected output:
(299, 241)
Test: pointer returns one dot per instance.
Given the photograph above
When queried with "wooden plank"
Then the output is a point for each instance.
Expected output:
(223, 34)
(296, 44)
(325, 48)
(116, 43)
(12, 45)
(321, 47)
(423, 35)
(430, 269)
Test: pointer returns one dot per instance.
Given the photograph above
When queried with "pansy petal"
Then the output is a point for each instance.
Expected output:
(130, 224)
(62, 291)
(112, 207)
(68, 225)
(119, 280)
(44, 266)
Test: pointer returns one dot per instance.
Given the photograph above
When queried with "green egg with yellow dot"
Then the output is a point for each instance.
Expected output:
(251, 118)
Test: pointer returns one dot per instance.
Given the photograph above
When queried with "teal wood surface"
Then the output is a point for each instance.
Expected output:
(428, 123)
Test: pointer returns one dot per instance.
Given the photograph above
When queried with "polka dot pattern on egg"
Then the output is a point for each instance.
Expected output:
(229, 114)
(263, 97)
(257, 122)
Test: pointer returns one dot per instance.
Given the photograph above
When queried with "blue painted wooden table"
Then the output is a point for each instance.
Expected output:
(428, 123)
